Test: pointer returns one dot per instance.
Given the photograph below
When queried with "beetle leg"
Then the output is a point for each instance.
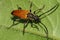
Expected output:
(35, 26)
(19, 8)
(14, 19)
(25, 25)
(31, 24)
(39, 10)
(13, 25)
(45, 29)
(30, 6)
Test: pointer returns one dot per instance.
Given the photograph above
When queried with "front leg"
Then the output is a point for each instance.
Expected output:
(44, 28)
(35, 26)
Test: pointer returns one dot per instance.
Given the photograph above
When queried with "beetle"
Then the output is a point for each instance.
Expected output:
(28, 17)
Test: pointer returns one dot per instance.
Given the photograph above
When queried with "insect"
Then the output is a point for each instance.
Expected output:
(28, 17)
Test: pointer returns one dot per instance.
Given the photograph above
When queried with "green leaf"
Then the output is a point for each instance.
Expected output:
(15, 33)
